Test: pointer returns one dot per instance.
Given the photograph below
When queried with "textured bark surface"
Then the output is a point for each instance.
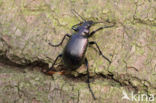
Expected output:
(27, 26)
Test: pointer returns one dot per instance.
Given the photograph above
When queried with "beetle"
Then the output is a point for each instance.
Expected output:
(74, 52)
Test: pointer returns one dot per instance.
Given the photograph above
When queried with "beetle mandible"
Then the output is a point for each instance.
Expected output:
(74, 52)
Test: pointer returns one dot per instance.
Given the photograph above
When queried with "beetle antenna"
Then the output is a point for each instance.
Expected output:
(77, 15)
(98, 22)
(113, 24)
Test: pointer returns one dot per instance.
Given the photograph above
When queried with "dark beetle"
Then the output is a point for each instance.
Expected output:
(74, 52)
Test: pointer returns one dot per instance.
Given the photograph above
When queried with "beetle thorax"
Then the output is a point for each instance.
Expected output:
(84, 32)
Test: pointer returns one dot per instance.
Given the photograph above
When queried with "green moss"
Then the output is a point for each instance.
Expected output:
(1, 3)
(68, 21)
(112, 68)
(140, 51)
(34, 9)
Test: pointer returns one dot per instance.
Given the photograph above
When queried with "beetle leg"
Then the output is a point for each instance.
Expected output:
(61, 41)
(100, 52)
(60, 55)
(100, 28)
(88, 81)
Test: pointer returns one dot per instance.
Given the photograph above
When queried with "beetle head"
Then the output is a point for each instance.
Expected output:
(88, 24)
(84, 25)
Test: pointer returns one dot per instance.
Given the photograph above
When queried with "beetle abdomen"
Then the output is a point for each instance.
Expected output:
(74, 51)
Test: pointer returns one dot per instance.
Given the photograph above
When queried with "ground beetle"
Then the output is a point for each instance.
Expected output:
(74, 52)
